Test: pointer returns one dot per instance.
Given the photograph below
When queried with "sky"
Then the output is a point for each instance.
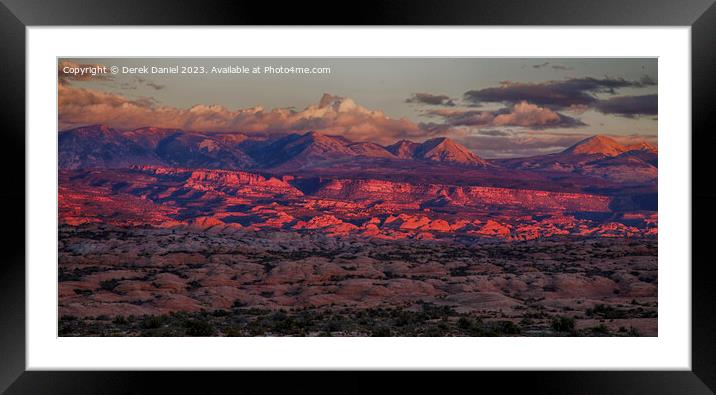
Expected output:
(497, 107)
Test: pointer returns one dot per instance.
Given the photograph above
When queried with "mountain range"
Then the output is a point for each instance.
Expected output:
(598, 157)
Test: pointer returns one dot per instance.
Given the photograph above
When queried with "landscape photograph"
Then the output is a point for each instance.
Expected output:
(348, 197)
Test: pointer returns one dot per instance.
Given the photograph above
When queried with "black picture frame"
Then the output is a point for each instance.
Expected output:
(15, 15)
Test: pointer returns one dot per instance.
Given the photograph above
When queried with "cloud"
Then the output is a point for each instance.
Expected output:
(333, 115)
(72, 71)
(629, 106)
(522, 114)
(493, 132)
(551, 65)
(530, 115)
(155, 86)
(647, 80)
(553, 94)
(463, 117)
(523, 129)
(150, 83)
(68, 71)
(520, 143)
(137, 81)
(577, 108)
(636, 139)
(431, 99)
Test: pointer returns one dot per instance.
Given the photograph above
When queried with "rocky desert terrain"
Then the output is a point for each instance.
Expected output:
(118, 281)
(171, 233)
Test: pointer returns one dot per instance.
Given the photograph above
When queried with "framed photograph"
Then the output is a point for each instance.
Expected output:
(509, 191)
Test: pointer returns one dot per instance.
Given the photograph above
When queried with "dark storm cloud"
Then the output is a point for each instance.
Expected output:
(431, 99)
(629, 106)
(554, 94)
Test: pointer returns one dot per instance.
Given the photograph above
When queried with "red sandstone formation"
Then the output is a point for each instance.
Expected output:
(462, 196)
(231, 201)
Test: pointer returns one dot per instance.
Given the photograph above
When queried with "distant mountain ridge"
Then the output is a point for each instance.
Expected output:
(100, 146)
(597, 156)
(443, 149)
(596, 145)
(603, 145)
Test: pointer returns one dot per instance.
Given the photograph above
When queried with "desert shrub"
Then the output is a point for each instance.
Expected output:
(408, 318)
(433, 331)
(193, 285)
(434, 311)
(381, 331)
(257, 328)
(256, 311)
(472, 327)
(220, 313)
(234, 332)
(645, 313)
(151, 322)
(600, 329)
(199, 327)
(64, 275)
(82, 291)
(464, 323)
(109, 285)
(120, 320)
(283, 323)
(526, 322)
(563, 324)
(647, 279)
(605, 311)
(549, 288)
(460, 271)
(507, 328)
(336, 324)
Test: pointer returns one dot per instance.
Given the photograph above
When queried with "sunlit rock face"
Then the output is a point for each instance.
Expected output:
(225, 200)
